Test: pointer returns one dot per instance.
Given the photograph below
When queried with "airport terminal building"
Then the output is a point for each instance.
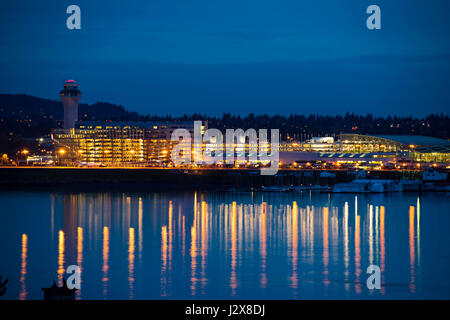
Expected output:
(116, 143)
(125, 143)
(376, 149)
(418, 148)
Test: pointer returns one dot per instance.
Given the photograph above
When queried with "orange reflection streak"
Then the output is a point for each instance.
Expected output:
(140, 213)
(164, 250)
(377, 234)
(263, 245)
(23, 267)
(412, 255)
(193, 258)
(357, 253)
(194, 249)
(170, 236)
(310, 213)
(80, 255)
(382, 244)
(131, 248)
(105, 267)
(325, 245)
(233, 280)
(303, 224)
(204, 243)
(60, 257)
(346, 251)
(418, 233)
(294, 279)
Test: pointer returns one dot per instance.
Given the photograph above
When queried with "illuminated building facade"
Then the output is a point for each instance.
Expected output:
(319, 144)
(116, 143)
(145, 143)
(417, 148)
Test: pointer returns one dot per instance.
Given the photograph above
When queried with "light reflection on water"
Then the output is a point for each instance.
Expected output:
(225, 245)
(23, 268)
(105, 266)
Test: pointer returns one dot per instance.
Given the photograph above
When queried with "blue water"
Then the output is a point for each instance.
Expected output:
(186, 245)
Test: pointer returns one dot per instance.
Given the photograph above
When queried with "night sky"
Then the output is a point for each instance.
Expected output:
(237, 56)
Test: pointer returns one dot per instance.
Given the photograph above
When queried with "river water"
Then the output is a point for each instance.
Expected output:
(217, 245)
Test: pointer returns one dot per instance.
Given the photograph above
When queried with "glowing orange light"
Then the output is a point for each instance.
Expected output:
(62, 151)
(105, 267)
(131, 248)
(263, 245)
(382, 238)
(325, 244)
(233, 278)
(412, 255)
(357, 251)
(164, 248)
(23, 268)
(294, 277)
(60, 270)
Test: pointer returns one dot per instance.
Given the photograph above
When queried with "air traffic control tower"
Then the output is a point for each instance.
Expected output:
(70, 96)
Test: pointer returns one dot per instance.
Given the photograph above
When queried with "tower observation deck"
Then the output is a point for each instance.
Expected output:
(70, 96)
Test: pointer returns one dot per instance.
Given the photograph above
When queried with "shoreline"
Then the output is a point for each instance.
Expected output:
(175, 179)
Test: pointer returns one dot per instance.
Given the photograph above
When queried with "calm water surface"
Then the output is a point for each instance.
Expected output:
(188, 245)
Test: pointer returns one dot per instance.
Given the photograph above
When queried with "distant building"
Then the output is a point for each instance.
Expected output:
(312, 159)
(367, 148)
(321, 140)
(316, 144)
(70, 96)
(149, 143)
(419, 148)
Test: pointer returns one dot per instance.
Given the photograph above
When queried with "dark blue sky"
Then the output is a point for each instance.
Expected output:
(238, 56)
